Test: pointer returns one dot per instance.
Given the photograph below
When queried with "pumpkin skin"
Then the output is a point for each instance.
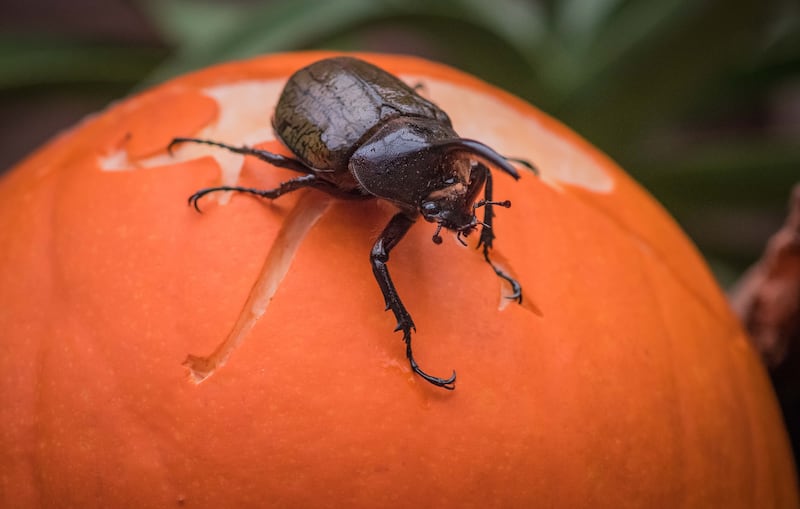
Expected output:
(634, 386)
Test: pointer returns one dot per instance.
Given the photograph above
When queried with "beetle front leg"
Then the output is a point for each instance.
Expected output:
(379, 256)
(274, 159)
(487, 237)
(285, 187)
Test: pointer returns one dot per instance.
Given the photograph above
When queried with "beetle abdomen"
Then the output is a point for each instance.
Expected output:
(329, 107)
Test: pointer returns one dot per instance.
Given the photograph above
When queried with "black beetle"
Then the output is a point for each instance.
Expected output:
(358, 132)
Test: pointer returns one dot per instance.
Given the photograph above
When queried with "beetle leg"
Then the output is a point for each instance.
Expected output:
(285, 187)
(523, 162)
(273, 159)
(379, 256)
(487, 237)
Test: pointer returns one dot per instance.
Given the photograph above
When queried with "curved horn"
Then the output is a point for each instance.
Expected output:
(480, 150)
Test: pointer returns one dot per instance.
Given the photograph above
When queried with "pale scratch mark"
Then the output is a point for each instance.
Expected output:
(245, 109)
(298, 223)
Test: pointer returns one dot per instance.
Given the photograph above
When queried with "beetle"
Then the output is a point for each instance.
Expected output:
(358, 132)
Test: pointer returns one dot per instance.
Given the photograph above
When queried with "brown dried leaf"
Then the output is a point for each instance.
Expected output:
(767, 298)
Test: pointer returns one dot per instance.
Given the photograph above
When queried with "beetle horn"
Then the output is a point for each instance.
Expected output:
(481, 151)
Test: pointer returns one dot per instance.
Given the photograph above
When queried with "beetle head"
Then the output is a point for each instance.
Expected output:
(450, 202)
(423, 166)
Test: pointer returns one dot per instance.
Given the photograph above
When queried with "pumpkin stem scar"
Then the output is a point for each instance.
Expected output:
(298, 223)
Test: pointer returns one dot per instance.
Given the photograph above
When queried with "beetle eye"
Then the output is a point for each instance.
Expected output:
(430, 208)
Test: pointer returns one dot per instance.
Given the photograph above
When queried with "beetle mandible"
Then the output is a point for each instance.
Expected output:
(358, 132)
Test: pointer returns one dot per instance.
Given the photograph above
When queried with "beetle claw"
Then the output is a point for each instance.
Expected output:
(516, 293)
(172, 144)
(445, 383)
(193, 199)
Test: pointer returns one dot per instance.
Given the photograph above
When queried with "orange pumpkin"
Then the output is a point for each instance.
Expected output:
(625, 381)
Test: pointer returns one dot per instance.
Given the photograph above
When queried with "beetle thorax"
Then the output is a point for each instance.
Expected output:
(402, 161)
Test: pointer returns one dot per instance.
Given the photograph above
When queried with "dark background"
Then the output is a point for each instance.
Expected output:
(698, 99)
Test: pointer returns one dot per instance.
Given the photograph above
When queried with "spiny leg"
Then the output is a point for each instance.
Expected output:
(487, 236)
(285, 187)
(273, 159)
(379, 256)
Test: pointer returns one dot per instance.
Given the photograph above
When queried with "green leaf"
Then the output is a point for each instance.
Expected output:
(657, 66)
(33, 62)
(276, 26)
(188, 23)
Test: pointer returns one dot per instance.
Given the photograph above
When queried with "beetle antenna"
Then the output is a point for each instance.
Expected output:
(483, 203)
(437, 239)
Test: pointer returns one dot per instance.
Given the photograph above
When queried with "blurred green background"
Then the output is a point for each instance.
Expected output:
(699, 100)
